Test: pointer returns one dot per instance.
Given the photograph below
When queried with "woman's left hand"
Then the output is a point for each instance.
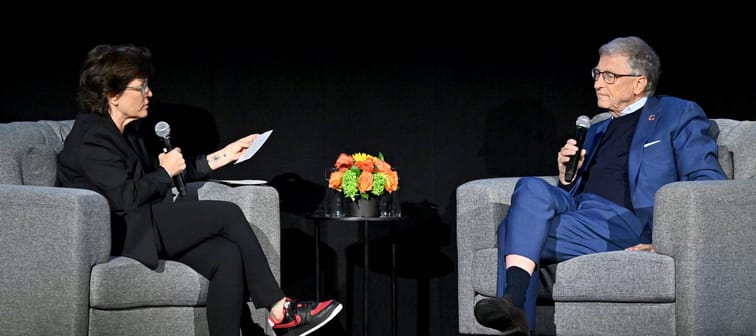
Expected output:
(235, 148)
(231, 152)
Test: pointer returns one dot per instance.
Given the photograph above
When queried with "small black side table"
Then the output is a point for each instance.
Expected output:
(365, 221)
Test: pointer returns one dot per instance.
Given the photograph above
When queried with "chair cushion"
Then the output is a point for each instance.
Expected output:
(125, 283)
(617, 276)
(39, 165)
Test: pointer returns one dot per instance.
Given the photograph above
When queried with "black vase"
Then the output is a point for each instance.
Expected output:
(361, 207)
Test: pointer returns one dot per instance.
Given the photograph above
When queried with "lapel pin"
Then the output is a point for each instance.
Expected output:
(651, 117)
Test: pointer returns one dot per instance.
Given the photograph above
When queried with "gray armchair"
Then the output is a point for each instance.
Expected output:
(57, 276)
(700, 281)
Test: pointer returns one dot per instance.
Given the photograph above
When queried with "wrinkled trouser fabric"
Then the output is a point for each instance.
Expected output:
(546, 224)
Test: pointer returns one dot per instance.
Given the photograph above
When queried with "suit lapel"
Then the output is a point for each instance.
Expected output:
(122, 142)
(595, 133)
(647, 122)
(138, 151)
(592, 142)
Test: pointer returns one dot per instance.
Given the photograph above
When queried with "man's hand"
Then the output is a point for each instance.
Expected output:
(565, 154)
(642, 247)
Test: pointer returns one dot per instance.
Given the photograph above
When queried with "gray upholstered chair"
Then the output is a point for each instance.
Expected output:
(56, 273)
(701, 281)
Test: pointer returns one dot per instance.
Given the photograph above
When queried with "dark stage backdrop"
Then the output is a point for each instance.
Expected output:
(443, 110)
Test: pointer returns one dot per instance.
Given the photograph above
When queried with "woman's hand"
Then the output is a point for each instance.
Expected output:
(231, 152)
(173, 161)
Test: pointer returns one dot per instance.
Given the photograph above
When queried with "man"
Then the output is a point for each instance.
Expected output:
(649, 141)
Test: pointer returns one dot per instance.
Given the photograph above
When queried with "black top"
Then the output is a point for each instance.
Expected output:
(607, 175)
(96, 156)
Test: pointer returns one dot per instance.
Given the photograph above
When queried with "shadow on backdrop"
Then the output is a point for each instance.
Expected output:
(193, 129)
(419, 237)
(520, 139)
(298, 198)
(297, 195)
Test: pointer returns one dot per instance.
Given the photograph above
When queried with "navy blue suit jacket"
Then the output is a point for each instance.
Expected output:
(671, 143)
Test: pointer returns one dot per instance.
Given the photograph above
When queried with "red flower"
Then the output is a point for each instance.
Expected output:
(344, 162)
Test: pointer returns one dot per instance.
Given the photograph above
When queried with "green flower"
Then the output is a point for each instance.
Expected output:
(379, 181)
(349, 183)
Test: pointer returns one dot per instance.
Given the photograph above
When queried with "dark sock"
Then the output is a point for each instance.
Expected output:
(517, 285)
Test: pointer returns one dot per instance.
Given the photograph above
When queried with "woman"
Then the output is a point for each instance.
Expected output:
(103, 154)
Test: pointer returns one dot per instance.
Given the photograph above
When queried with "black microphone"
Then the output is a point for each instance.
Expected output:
(163, 130)
(582, 123)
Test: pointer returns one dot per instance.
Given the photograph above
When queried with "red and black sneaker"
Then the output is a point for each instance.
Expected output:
(303, 317)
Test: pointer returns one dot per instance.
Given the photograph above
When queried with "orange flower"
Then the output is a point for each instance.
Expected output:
(334, 182)
(382, 166)
(366, 165)
(344, 162)
(392, 181)
(365, 181)
(363, 175)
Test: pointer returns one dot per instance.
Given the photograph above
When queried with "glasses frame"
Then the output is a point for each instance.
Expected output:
(142, 88)
(608, 76)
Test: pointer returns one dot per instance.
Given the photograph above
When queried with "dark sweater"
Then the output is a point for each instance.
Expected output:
(607, 174)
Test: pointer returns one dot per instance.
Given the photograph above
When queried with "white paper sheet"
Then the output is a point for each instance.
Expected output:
(240, 182)
(259, 141)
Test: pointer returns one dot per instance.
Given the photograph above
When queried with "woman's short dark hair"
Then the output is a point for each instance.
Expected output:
(106, 72)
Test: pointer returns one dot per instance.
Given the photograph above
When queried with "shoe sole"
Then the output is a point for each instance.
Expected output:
(330, 317)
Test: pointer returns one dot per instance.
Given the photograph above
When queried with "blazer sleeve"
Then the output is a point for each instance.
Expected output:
(197, 169)
(695, 149)
(118, 175)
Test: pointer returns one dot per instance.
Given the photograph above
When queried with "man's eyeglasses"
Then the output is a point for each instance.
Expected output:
(142, 88)
(609, 77)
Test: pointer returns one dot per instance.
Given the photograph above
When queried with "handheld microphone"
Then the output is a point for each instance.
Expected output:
(582, 123)
(163, 130)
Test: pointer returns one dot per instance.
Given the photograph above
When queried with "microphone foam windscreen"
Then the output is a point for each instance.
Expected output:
(582, 121)
(162, 129)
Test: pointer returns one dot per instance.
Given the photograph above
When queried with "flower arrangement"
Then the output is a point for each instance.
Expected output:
(363, 175)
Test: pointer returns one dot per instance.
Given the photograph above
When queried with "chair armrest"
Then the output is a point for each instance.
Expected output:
(481, 205)
(709, 228)
(260, 205)
(49, 240)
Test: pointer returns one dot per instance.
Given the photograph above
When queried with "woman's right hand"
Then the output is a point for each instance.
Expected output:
(173, 161)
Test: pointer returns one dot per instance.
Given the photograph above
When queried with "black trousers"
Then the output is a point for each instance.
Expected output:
(214, 238)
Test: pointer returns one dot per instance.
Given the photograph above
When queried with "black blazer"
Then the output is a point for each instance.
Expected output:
(98, 157)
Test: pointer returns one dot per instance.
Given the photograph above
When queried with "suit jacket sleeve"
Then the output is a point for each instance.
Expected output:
(695, 150)
(197, 169)
(106, 162)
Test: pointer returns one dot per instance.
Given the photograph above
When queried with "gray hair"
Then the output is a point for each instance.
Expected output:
(642, 59)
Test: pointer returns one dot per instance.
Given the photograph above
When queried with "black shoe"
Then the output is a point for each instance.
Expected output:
(501, 314)
(304, 317)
